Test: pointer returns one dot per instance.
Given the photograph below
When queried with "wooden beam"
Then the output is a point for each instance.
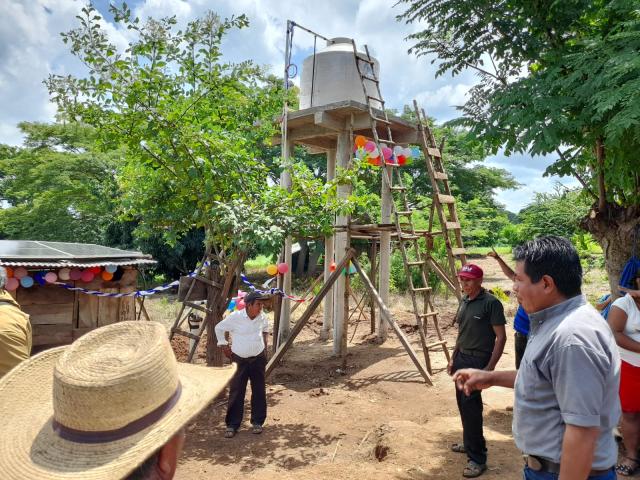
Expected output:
(326, 120)
(302, 321)
(386, 314)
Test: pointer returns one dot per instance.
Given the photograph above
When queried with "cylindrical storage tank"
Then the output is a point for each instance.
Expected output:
(334, 77)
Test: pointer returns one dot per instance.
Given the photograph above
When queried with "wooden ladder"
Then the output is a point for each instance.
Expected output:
(188, 307)
(444, 204)
(407, 236)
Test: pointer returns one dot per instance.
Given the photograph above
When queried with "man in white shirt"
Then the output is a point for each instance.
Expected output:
(249, 330)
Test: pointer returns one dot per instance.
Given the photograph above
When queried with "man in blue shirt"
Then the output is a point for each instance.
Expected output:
(521, 320)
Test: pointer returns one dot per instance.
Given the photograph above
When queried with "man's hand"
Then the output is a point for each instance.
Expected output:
(630, 291)
(226, 349)
(470, 379)
(493, 254)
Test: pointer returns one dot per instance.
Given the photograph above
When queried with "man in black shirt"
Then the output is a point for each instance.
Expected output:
(480, 342)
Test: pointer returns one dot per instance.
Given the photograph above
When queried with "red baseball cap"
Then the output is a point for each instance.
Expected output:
(471, 270)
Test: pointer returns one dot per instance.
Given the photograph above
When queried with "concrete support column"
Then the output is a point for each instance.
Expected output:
(341, 245)
(285, 311)
(385, 249)
(327, 321)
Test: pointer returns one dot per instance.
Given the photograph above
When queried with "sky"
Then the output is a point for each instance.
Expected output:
(31, 49)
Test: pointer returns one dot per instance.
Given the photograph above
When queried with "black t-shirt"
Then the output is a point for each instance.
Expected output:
(476, 319)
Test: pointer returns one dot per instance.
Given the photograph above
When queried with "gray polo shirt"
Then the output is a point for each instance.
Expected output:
(570, 374)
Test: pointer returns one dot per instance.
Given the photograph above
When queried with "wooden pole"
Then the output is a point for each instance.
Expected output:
(302, 321)
(373, 255)
(309, 290)
(385, 248)
(385, 314)
(285, 313)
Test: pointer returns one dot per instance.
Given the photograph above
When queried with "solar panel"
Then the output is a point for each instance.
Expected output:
(35, 250)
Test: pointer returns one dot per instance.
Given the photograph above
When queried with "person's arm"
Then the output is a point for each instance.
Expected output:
(470, 379)
(630, 291)
(498, 346)
(578, 446)
(617, 321)
(220, 329)
(506, 269)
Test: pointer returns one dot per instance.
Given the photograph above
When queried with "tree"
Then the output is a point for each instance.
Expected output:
(554, 78)
(57, 187)
(191, 127)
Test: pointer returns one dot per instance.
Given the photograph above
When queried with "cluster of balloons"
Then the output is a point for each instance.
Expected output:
(280, 268)
(21, 277)
(237, 303)
(367, 150)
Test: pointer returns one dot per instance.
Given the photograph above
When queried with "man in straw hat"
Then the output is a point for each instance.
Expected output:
(15, 329)
(110, 406)
(249, 330)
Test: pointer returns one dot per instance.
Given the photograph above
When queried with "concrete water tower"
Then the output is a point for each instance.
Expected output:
(331, 76)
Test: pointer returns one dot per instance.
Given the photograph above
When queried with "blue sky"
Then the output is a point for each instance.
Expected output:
(31, 49)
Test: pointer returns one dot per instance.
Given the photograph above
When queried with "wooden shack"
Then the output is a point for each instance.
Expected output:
(58, 315)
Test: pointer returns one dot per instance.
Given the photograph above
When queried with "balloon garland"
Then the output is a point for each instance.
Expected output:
(20, 276)
(367, 150)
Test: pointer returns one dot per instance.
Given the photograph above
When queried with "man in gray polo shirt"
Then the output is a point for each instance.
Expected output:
(566, 391)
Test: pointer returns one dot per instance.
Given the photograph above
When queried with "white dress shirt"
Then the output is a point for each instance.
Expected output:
(246, 334)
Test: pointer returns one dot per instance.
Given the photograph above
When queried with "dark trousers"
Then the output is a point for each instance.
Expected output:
(520, 341)
(470, 407)
(249, 369)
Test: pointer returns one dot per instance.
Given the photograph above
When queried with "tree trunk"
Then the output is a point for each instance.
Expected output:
(613, 227)
(302, 258)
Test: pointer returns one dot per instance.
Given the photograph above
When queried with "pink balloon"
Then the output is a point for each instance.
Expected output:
(75, 274)
(386, 153)
(50, 277)
(63, 274)
(87, 275)
(240, 305)
(369, 146)
(242, 294)
(20, 272)
(283, 268)
(12, 284)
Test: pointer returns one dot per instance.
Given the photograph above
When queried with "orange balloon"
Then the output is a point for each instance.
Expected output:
(360, 141)
(9, 272)
(106, 275)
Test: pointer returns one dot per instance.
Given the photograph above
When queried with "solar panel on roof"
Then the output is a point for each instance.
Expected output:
(30, 249)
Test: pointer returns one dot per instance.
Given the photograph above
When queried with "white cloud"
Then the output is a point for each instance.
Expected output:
(31, 49)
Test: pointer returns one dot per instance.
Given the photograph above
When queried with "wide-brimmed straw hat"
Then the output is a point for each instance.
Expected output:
(101, 406)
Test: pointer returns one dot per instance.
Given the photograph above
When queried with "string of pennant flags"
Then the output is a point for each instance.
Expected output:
(167, 286)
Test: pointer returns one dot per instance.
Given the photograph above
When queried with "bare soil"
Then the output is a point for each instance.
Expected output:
(374, 419)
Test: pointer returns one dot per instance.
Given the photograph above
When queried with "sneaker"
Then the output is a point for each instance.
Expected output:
(257, 429)
(230, 432)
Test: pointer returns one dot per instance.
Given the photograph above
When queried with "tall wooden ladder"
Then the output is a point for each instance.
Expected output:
(189, 306)
(407, 236)
(443, 203)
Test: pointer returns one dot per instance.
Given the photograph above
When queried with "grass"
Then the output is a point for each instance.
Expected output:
(485, 250)
(261, 262)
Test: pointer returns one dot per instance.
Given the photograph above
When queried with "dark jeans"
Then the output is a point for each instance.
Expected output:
(520, 341)
(533, 475)
(470, 407)
(249, 369)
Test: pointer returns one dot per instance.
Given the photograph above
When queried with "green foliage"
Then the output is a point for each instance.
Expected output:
(482, 222)
(554, 77)
(557, 213)
(193, 129)
(57, 187)
(500, 294)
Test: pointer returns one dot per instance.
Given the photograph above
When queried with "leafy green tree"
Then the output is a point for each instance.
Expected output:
(192, 128)
(57, 187)
(554, 78)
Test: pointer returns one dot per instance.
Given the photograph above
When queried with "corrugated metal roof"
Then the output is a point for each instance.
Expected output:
(31, 250)
(80, 264)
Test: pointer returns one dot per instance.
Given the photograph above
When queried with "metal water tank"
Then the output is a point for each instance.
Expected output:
(334, 76)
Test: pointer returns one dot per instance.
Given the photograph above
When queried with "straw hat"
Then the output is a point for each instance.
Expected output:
(101, 406)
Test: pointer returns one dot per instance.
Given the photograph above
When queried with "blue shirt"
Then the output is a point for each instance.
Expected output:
(521, 321)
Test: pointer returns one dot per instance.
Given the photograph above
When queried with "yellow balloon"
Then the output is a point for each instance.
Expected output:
(272, 269)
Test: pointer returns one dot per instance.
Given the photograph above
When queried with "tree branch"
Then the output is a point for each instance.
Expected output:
(575, 173)
(602, 193)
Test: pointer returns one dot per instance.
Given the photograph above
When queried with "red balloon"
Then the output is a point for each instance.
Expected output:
(332, 267)
(95, 270)
(283, 268)
(87, 275)
(402, 159)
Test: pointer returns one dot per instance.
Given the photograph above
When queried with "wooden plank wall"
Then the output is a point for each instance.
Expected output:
(59, 316)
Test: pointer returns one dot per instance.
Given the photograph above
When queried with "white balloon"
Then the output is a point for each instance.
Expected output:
(375, 153)
(397, 150)
(407, 152)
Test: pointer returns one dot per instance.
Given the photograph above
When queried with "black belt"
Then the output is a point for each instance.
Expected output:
(474, 353)
(539, 464)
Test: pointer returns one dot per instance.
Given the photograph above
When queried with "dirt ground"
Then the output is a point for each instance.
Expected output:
(376, 419)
